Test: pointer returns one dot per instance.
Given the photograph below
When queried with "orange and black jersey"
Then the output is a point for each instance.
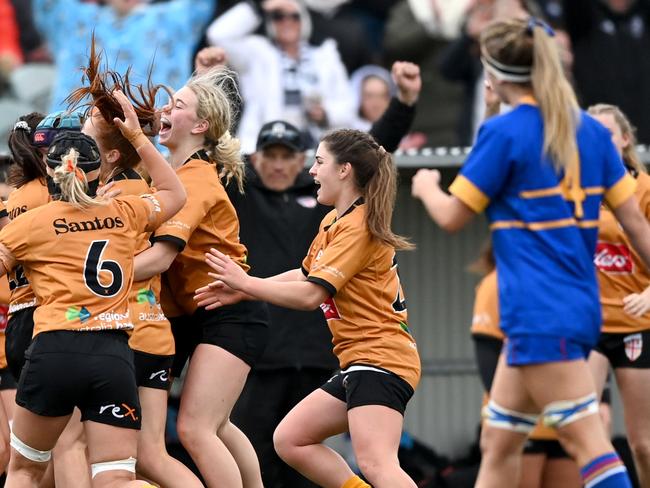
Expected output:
(152, 331)
(31, 195)
(80, 262)
(621, 271)
(4, 317)
(485, 320)
(207, 220)
(3, 210)
(366, 312)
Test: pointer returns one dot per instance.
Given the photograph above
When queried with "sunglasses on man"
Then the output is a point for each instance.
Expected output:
(279, 15)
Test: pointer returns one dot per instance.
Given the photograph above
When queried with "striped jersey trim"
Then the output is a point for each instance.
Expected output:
(557, 190)
(358, 367)
(546, 225)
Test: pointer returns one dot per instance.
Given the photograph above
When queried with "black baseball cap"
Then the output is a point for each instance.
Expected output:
(280, 133)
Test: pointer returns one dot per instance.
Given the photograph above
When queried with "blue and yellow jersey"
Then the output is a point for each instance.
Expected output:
(544, 222)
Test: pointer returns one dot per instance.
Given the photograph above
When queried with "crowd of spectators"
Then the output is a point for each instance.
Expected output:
(320, 64)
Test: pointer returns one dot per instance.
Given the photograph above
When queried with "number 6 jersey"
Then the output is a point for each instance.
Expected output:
(80, 262)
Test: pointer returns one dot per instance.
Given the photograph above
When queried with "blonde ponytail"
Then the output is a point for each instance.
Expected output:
(73, 183)
(556, 99)
(216, 91)
(227, 155)
(524, 52)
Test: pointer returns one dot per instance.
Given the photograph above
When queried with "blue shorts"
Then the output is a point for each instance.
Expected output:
(536, 349)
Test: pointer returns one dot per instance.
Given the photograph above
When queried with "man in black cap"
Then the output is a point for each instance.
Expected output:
(279, 217)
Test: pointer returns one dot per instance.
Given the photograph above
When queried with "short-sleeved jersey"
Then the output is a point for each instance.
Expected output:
(207, 220)
(485, 320)
(544, 253)
(4, 317)
(80, 262)
(366, 311)
(31, 195)
(621, 271)
(152, 332)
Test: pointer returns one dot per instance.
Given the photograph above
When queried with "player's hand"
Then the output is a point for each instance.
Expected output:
(130, 126)
(108, 191)
(637, 304)
(424, 181)
(208, 58)
(409, 83)
(226, 270)
(217, 294)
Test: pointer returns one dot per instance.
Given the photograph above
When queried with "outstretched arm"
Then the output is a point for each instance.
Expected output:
(446, 210)
(298, 294)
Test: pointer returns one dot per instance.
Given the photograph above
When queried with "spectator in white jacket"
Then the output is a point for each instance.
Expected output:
(283, 76)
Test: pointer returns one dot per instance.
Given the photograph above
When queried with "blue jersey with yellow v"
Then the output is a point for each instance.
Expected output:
(544, 221)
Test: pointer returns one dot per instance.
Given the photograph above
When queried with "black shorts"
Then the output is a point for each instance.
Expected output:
(369, 385)
(93, 371)
(552, 449)
(241, 329)
(18, 337)
(7, 381)
(626, 350)
(152, 370)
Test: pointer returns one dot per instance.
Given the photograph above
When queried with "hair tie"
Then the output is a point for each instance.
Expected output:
(534, 21)
(22, 125)
(69, 160)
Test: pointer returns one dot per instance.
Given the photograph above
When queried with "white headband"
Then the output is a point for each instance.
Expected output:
(504, 72)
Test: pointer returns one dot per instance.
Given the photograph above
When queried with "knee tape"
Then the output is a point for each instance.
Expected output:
(559, 414)
(121, 465)
(502, 418)
(29, 452)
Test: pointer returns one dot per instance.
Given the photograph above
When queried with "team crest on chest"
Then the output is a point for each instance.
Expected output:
(633, 346)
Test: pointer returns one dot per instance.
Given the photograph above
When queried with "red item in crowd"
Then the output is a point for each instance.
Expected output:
(9, 33)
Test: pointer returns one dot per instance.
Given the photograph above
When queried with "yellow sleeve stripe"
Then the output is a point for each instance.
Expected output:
(468, 193)
(620, 191)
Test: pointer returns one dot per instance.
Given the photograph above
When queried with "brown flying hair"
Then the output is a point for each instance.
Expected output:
(96, 97)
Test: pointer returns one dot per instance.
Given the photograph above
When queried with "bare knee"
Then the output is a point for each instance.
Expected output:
(372, 466)
(640, 446)
(186, 432)
(5, 452)
(150, 454)
(284, 443)
(500, 443)
(24, 467)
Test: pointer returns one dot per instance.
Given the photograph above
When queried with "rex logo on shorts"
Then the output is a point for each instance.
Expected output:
(119, 411)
